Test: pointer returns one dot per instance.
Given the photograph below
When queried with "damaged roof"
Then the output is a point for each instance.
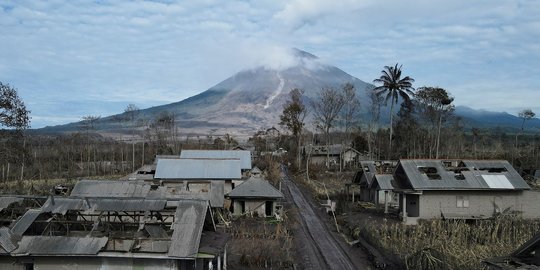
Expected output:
(5, 201)
(422, 174)
(198, 169)
(243, 155)
(25, 221)
(188, 226)
(62, 205)
(255, 188)
(60, 245)
(105, 188)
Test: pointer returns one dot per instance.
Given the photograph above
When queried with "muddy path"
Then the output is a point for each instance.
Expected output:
(318, 247)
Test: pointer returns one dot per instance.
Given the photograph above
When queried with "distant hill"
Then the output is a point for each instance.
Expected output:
(488, 119)
(253, 99)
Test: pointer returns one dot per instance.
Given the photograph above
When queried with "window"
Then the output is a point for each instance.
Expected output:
(462, 201)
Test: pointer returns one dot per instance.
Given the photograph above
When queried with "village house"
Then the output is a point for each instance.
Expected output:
(464, 189)
(198, 176)
(111, 233)
(255, 196)
(374, 179)
(243, 155)
(337, 155)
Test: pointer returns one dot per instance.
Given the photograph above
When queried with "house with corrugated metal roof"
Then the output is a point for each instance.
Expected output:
(255, 196)
(464, 189)
(243, 155)
(336, 154)
(374, 179)
(111, 233)
(198, 175)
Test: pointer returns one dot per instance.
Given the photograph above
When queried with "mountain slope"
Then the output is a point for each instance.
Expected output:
(253, 99)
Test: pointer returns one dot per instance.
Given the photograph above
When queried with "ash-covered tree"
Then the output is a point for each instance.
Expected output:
(406, 130)
(436, 105)
(14, 117)
(131, 112)
(393, 86)
(13, 112)
(351, 109)
(326, 110)
(525, 115)
(293, 116)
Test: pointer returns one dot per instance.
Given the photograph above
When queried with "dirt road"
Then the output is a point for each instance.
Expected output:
(318, 247)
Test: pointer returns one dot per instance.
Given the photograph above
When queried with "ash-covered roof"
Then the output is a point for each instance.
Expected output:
(60, 245)
(422, 174)
(188, 226)
(105, 188)
(384, 181)
(25, 221)
(209, 169)
(5, 201)
(255, 188)
(62, 205)
(243, 155)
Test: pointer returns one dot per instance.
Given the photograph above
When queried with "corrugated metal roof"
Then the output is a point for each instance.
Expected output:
(25, 221)
(255, 188)
(60, 245)
(153, 246)
(211, 169)
(384, 181)
(5, 239)
(367, 172)
(470, 179)
(217, 193)
(105, 188)
(188, 226)
(62, 205)
(256, 170)
(5, 201)
(156, 231)
(243, 155)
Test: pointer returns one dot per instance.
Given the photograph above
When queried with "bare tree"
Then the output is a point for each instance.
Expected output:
(375, 113)
(131, 112)
(350, 111)
(326, 109)
(293, 116)
(526, 114)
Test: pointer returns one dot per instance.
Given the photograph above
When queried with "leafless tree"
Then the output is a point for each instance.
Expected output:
(326, 109)
(131, 112)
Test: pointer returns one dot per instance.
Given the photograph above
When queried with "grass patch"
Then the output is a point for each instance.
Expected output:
(450, 244)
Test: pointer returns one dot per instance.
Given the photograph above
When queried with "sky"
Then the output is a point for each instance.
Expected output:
(69, 59)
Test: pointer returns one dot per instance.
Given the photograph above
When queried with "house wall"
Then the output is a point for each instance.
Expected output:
(253, 206)
(322, 160)
(392, 198)
(96, 263)
(481, 203)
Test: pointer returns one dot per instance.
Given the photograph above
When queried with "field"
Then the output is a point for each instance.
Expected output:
(451, 244)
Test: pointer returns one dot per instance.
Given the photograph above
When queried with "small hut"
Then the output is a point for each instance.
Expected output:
(255, 197)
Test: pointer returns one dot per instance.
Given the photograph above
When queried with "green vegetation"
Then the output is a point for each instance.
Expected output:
(439, 244)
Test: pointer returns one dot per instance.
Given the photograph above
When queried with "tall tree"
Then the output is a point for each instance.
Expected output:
(131, 112)
(526, 114)
(13, 112)
(351, 108)
(437, 104)
(293, 116)
(326, 109)
(393, 86)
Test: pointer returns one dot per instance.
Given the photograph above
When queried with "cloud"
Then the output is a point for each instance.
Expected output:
(76, 58)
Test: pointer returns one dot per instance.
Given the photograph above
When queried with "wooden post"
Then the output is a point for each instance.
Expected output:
(386, 201)
(404, 207)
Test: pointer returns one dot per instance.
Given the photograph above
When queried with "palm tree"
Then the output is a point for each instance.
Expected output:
(393, 86)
